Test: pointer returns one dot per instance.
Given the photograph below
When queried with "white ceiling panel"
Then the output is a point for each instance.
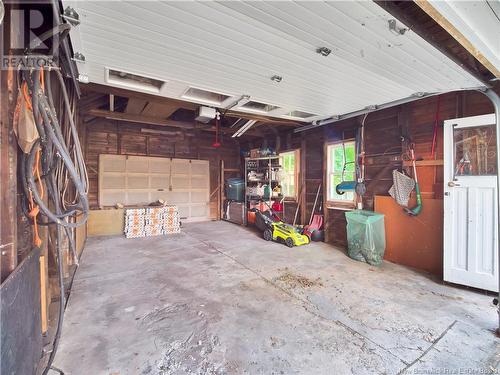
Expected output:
(236, 47)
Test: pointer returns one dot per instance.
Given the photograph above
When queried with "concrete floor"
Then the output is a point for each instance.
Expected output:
(217, 299)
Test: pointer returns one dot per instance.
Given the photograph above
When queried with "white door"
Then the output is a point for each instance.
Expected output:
(470, 202)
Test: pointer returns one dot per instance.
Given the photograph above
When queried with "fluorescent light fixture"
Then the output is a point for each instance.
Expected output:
(244, 128)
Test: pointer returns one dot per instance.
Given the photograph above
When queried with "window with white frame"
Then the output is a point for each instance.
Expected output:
(341, 166)
(289, 162)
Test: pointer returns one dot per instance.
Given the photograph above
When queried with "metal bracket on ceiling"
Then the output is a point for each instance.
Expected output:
(78, 57)
(72, 16)
(395, 29)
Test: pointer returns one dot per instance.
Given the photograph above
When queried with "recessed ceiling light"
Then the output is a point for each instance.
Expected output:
(323, 51)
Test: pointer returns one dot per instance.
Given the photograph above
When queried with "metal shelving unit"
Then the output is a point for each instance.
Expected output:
(269, 164)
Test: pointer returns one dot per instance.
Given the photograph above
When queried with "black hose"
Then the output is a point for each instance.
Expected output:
(55, 162)
(62, 303)
(54, 156)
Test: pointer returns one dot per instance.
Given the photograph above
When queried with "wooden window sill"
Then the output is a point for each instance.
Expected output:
(340, 207)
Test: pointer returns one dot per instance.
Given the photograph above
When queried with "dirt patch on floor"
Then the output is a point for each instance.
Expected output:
(292, 280)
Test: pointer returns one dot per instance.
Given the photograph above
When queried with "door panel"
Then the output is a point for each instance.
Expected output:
(470, 203)
(460, 234)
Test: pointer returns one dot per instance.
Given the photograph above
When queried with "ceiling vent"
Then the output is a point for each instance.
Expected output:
(205, 96)
(258, 107)
(134, 81)
(299, 115)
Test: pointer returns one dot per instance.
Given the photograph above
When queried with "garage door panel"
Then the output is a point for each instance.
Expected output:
(159, 165)
(114, 182)
(112, 164)
(137, 180)
(157, 195)
(110, 198)
(199, 168)
(199, 182)
(199, 197)
(138, 197)
(181, 182)
(159, 182)
(180, 166)
(137, 164)
(178, 197)
(199, 210)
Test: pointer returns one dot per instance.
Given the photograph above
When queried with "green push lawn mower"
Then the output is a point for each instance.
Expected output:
(276, 230)
(287, 233)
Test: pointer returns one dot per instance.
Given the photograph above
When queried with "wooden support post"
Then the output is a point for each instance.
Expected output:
(326, 212)
(43, 294)
(8, 177)
(303, 178)
(220, 207)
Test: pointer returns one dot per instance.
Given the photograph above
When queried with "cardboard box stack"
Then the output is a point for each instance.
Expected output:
(151, 221)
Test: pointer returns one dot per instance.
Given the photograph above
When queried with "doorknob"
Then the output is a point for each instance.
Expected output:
(453, 184)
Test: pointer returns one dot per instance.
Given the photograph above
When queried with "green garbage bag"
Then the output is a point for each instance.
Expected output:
(365, 236)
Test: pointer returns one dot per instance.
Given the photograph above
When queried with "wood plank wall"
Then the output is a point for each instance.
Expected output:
(383, 130)
(104, 136)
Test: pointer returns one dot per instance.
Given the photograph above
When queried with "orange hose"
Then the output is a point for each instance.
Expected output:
(34, 209)
(26, 96)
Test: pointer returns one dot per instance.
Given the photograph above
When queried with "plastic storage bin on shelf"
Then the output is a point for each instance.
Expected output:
(235, 189)
(366, 236)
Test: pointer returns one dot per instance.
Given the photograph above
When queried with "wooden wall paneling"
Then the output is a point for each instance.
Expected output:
(8, 177)
(112, 137)
(313, 173)
(382, 134)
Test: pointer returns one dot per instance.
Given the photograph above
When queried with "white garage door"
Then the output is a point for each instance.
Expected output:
(139, 180)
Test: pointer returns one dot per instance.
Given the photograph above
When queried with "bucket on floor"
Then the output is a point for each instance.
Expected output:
(365, 236)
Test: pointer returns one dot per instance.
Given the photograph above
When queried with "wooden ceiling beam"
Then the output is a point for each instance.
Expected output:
(135, 105)
(159, 110)
(150, 120)
(139, 118)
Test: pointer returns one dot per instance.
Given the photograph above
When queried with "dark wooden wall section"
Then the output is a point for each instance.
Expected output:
(20, 327)
(383, 131)
(117, 137)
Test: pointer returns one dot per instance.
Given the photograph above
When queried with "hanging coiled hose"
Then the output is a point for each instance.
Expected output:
(55, 162)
